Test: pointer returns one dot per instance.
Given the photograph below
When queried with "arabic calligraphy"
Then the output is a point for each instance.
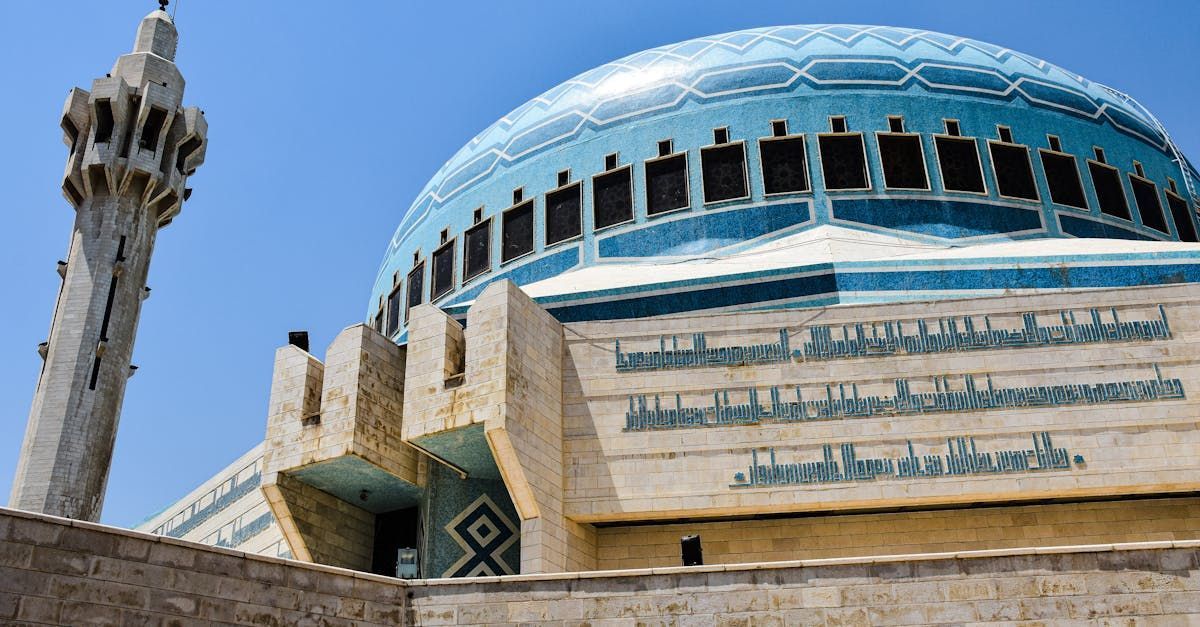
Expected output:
(839, 401)
(894, 337)
(962, 458)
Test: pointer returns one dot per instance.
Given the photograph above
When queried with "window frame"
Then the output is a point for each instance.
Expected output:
(745, 173)
(533, 238)
(687, 182)
(546, 244)
(883, 170)
(1078, 178)
(485, 224)
(387, 318)
(978, 158)
(418, 268)
(1028, 161)
(1120, 185)
(1187, 207)
(762, 173)
(450, 243)
(866, 162)
(1132, 176)
(632, 197)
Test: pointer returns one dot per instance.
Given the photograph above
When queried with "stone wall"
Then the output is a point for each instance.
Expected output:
(60, 572)
(67, 572)
(903, 533)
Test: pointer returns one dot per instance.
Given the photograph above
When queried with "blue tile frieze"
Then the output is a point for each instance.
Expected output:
(962, 458)
(837, 401)
(893, 337)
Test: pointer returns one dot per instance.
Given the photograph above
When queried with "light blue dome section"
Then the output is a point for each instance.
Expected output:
(801, 74)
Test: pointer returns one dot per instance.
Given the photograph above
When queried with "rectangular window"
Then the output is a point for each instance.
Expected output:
(843, 160)
(477, 250)
(903, 160)
(837, 124)
(564, 214)
(1013, 170)
(1055, 143)
(895, 124)
(1145, 194)
(1106, 181)
(666, 184)
(395, 303)
(784, 164)
(1182, 217)
(442, 271)
(1062, 177)
(724, 171)
(564, 177)
(610, 161)
(779, 128)
(416, 288)
(952, 128)
(958, 160)
(721, 135)
(516, 232)
(612, 197)
(1005, 134)
(104, 121)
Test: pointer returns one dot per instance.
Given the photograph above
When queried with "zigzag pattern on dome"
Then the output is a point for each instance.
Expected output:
(764, 61)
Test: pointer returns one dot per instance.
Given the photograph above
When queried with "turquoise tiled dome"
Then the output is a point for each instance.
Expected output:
(799, 75)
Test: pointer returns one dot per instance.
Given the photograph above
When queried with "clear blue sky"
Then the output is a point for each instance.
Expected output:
(326, 118)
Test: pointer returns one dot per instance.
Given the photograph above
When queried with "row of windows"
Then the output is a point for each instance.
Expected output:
(785, 170)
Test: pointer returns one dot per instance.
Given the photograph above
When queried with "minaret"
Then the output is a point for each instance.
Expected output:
(132, 148)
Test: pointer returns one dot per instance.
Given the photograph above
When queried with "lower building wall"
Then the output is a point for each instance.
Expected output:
(769, 540)
(57, 571)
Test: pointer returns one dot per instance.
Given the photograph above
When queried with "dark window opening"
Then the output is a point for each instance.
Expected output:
(121, 249)
(416, 257)
(843, 161)
(394, 531)
(666, 184)
(564, 177)
(1182, 216)
(185, 150)
(903, 161)
(724, 170)
(104, 121)
(1014, 172)
(837, 124)
(95, 373)
(152, 128)
(518, 195)
(721, 135)
(1106, 181)
(779, 128)
(665, 147)
(1062, 177)
(610, 161)
(477, 217)
(1171, 185)
(958, 158)
(377, 323)
(477, 250)
(516, 232)
(442, 271)
(1055, 143)
(612, 198)
(1005, 134)
(1099, 154)
(952, 128)
(108, 307)
(784, 165)
(416, 289)
(895, 124)
(1145, 194)
(1137, 167)
(564, 219)
(444, 236)
(395, 302)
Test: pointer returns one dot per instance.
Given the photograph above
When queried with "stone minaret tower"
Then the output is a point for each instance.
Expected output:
(132, 147)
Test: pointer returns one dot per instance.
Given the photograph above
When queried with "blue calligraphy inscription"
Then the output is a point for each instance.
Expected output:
(962, 458)
(840, 401)
(895, 337)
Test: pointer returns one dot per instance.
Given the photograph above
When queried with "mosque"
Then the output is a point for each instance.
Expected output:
(812, 291)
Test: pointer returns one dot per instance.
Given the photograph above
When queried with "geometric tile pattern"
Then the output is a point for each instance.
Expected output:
(484, 533)
(767, 60)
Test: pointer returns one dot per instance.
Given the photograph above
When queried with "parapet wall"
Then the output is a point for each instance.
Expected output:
(57, 571)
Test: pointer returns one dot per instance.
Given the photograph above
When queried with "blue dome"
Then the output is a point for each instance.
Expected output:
(898, 89)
